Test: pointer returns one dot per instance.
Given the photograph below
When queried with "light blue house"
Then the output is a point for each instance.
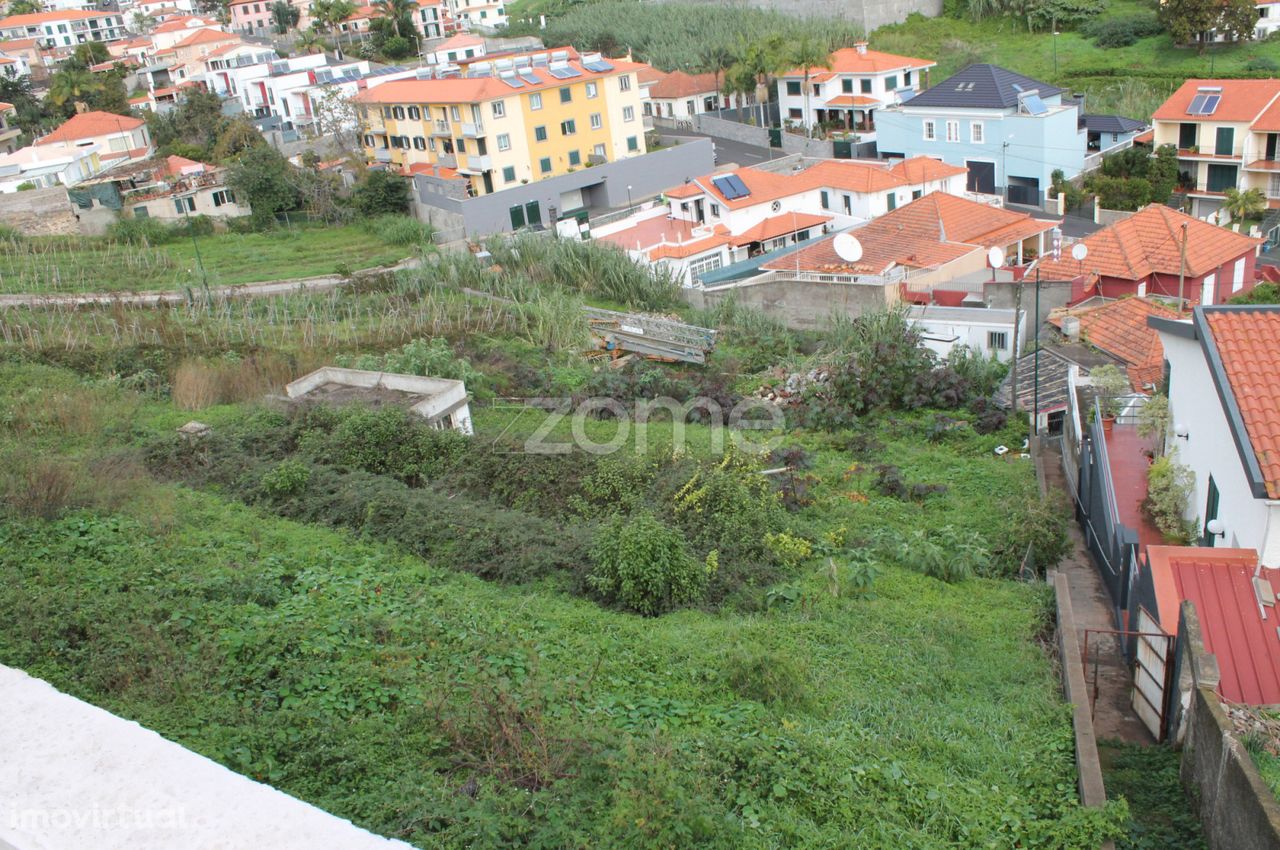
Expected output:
(1010, 131)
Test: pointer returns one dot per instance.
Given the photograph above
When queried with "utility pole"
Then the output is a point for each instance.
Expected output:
(1017, 309)
(1182, 266)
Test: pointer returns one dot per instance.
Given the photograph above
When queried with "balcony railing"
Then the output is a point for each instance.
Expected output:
(473, 130)
(441, 128)
(478, 162)
(1210, 152)
(447, 160)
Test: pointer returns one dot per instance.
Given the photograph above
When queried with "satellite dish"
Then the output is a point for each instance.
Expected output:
(996, 257)
(848, 248)
(1079, 251)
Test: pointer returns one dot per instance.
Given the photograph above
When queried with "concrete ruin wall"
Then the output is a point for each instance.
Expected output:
(799, 304)
(39, 212)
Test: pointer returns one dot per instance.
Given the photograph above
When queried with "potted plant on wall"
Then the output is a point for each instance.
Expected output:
(1154, 422)
(1110, 384)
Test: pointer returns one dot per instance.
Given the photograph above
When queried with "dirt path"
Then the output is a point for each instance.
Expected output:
(1106, 671)
(177, 296)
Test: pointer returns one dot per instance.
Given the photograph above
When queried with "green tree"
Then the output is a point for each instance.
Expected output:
(140, 21)
(399, 12)
(716, 58)
(1246, 204)
(237, 137)
(264, 178)
(738, 83)
(808, 53)
(32, 115)
(24, 7)
(328, 14)
(1189, 21)
(1162, 171)
(645, 566)
(92, 53)
(197, 122)
(381, 193)
(310, 41)
(71, 83)
(762, 59)
(284, 17)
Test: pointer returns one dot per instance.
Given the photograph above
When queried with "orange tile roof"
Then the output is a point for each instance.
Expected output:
(206, 36)
(1242, 100)
(853, 100)
(1120, 329)
(688, 249)
(472, 89)
(37, 18)
(1149, 242)
(86, 125)
(462, 39)
(925, 233)
(661, 237)
(779, 225)
(441, 171)
(850, 175)
(1247, 341)
(850, 61)
(680, 84)
(19, 44)
(1269, 120)
(648, 74)
(181, 22)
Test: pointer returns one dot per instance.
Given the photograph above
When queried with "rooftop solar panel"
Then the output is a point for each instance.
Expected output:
(1197, 104)
(561, 73)
(739, 186)
(529, 77)
(1211, 103)
(598, 66)
(1034, 105)
(510, 79)
(723, 186)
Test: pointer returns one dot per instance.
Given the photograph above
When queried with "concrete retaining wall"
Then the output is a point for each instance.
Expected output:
(748, 134)
(799, 304)
(39, 212)
(1092, 791)
(1105, 217)
(1237, 809)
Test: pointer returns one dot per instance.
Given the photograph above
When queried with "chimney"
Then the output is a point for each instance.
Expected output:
(1071, 328)
(861, 47)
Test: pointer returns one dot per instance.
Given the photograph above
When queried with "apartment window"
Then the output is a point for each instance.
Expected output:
(596, 121)
(598, 150)
(628, 113)
(624, 82)
(793, 88)
(633, 144)
(848, 204)
(141, 212)
(891, 82)
(866, 86)
(930, 131)
(462, 145)
(504, 141)
(976, 132)
(368, 143)
(509, 174)
(846, 85)
(1237, 276)
(222, 197)
(906, 78)
(953, 131)
(397, 112)
(796, 113)
(715, 210)
(825, 199)
(184, 205)
(544, 165)
(998, 340)
(568, 128)
(540, 134)
(455, 113)
(535, 100)
(499, 109)
(917, 194)
(566, 95)
(575, 158)
(419, 143)
(593, 89)
(414, 113)
(705, 264)
(386, 112)
(431, 145)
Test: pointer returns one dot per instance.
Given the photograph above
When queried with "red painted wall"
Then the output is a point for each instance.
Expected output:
(1167, 285)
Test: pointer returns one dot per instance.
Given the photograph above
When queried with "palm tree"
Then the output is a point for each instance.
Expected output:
(73, 83)
(1246, 204)
(808, 53)
(309, 41)
(716, 58)
(739, 81)
(330, 13)
(141, 22)
(395, 10)
(284, 16)
(764, 58)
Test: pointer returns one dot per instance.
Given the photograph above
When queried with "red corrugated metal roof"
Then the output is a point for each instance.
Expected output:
(1219, 582)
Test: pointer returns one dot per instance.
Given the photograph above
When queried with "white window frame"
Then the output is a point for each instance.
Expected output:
(597, 121)
(930, 132)
(704, 264)
(953, 131)
(593, 90)
(504, 141)
(624, 82)
(977, 133)
(628, 113)
(1237, 276)
(499, 109)
(535, 100)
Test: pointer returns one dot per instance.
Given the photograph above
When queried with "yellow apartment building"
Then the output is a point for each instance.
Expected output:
(506, 121)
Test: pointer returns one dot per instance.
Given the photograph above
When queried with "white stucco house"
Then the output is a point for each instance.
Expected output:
(1224, 395)
(987, 330)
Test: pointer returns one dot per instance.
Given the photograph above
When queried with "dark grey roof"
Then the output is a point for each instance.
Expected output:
(985, 86)
(1055, 364)
(1112, 124)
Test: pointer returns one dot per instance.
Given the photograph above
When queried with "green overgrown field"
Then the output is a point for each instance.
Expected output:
(869, 705)
(1161, 817)
(49, 265)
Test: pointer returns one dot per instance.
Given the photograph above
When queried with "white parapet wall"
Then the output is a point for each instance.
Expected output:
(76, 777)
(441, 396)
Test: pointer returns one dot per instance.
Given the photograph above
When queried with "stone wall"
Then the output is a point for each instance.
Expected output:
(1088, 768)
(39, 212)
(799, 304)
(1237, 809)
(869, 14)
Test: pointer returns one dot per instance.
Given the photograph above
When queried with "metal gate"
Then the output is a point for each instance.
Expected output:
(1151, 672)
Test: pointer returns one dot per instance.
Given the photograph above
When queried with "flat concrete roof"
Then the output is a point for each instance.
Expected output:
(75, 776)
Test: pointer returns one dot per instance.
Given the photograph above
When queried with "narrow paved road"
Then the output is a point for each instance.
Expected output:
(178, 296)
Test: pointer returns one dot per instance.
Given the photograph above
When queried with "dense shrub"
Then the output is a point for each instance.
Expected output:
(725, 505)
(381, 193)
(140, 231)
(766, 676)
(644, 566)
(388, 441)
(1121, 31)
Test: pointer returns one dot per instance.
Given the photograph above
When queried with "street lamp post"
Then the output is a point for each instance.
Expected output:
(629, 206)
(1055, 51)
